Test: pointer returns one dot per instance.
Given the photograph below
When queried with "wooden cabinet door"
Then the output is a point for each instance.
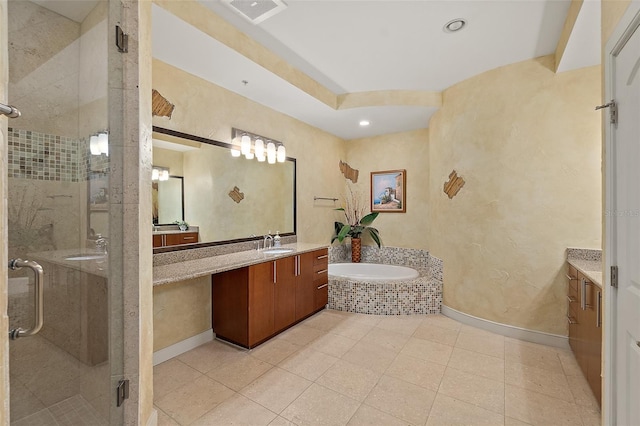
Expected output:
(284, 310)
(305, 291)
(261, 302)
(230, 306)
(593, 340)
(157, 241)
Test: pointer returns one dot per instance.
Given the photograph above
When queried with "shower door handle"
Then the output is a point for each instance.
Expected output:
(9, 111)
(15, 264)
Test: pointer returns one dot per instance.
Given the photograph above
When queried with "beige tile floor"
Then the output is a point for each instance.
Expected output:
(337, 368)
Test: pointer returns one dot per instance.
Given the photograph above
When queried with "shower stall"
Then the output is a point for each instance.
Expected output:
(58, 171)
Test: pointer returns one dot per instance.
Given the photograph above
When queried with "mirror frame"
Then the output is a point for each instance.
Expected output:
(182, 206)
(177, 134)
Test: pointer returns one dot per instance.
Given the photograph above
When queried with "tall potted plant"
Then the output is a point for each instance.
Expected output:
(357, 224)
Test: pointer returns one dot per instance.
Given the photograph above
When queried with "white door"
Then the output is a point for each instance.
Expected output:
(623, 187)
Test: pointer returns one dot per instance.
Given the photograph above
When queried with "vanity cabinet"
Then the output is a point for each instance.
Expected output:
(254, 303)
(584, 315)
(176, 239)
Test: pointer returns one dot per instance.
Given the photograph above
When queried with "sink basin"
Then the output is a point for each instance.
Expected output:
(85, 256)
(277, 251)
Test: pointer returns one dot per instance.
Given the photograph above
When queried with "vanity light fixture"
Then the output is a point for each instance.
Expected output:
(99, 143)
(255, 146)
(159, 173)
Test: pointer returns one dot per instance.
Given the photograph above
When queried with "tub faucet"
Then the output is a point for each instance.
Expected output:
(267, 238)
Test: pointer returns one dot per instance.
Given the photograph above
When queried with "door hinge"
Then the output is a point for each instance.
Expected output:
(122, 391)
(122, 40)
(614, 276)
(613, 111)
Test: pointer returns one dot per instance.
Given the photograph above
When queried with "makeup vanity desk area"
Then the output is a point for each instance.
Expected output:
(247, 297)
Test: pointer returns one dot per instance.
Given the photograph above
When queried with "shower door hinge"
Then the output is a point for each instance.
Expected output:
(122, 391)
(122, 40)
(613, 111)
(614, 276)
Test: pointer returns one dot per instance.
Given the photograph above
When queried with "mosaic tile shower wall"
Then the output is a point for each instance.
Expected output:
(40, 156)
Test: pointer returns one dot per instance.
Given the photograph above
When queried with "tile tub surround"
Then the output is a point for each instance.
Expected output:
(182, 270)
(422, 295)
(587, 261)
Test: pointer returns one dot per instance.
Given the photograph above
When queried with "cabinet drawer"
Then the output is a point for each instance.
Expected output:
(182, 238)
(320, 274)
(321, 297)
(321, 257)
(572, 277)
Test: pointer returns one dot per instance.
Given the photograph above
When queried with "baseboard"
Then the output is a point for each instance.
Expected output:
(181, 347)
(508, 330)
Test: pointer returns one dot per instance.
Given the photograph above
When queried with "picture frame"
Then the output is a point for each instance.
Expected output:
(98, 191)
(388, 191)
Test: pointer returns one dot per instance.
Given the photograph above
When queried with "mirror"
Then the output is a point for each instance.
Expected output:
(228, 198)
(167, 198)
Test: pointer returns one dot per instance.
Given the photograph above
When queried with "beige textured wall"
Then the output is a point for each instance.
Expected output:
(45, 82)
(409, 151)
(167, 158)
(527, 143)
(207, 110)
(181, 310)
(611, 12)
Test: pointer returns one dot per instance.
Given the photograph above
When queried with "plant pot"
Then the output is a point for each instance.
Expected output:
(183, 227)
(356, 247)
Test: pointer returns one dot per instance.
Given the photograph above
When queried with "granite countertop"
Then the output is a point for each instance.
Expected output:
(97, 266)
(175, 231)
(188, 269)
(587, 261)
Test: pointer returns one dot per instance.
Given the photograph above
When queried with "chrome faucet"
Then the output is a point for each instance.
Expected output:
(101, 244)
(257, 242)
(269, 238)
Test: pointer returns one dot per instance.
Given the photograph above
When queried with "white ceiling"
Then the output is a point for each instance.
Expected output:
(352, 46)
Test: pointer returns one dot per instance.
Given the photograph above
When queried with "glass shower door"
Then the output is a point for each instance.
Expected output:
(58, 171)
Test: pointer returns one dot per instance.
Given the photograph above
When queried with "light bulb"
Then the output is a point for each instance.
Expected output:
(271, 152)
(155, 174)
(103, 143)
(282, 154)
(249, 155)
(245, 145)
(261, 158)
(258, 148)
(235, 147)
(93, 145)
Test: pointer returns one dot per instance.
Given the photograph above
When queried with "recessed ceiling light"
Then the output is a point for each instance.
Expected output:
(454, 25)
(364, 123)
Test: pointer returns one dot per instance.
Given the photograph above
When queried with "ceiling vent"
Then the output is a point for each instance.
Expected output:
(256, 11)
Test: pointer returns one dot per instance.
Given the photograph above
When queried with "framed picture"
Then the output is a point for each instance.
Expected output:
(98, 191)
(388, 191)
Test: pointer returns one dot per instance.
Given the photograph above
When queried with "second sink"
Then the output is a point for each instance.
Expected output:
(277, 250)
